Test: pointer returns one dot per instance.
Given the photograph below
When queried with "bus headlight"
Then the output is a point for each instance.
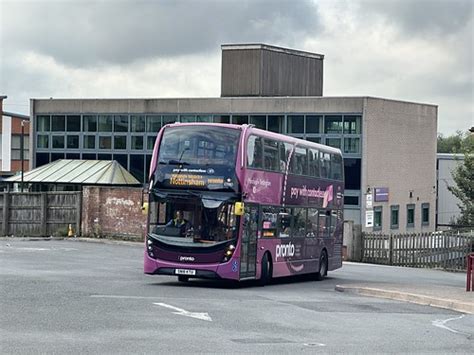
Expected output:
(229, 251)
(149, 247)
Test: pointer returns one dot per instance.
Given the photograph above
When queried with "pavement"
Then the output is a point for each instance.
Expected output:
(432, 291)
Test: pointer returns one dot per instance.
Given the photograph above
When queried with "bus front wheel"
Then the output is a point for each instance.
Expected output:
(266, 274)
(323, 266)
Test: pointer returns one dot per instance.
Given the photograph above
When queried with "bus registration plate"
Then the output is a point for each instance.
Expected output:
(185, 272)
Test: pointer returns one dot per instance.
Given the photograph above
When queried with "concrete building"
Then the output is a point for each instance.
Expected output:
(447, 204)
(389, 146)
(11, 128)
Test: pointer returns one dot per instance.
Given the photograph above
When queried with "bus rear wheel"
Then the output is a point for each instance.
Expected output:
(323, 266)
(182, 278)
(266, 274)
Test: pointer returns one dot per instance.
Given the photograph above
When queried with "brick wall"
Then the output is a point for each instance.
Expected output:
(113, 211)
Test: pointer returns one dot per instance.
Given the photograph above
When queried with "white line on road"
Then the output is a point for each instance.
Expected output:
(182, 312)
(442, 324)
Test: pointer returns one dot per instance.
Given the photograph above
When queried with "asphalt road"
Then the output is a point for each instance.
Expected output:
(61, 297)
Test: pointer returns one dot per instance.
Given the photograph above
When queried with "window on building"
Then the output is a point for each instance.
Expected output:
(410, 216)
(150, 142)
(42, 159)
(42, 141)
(351, 200)
(425, 214)
(259, 121)
(137, 166)
(352, 174)
(122, 159)
(333, 124)
(352, 124)
(105, 142)
(377, 218)
(58, 123)
(105, 123)
(16, 147)
(72, 142)
(394, 215)
(314, 139)
(43, 123)
(89, 123)
(137, 142)
(153, 123)
(275, 123)
(295, 124)
(187, 118)
(313, 124)
(271, 160)
(73, 156)
(120, 123)
(351, 145)
(168, 119)
(240, 119)
(203, 118)
(137, 123)
(73, 123)
(89, 142)
(104, 156)
(56, 156)
(58, 142)
(120, 142)
(333, 142)
(89, 156)
(221, 119)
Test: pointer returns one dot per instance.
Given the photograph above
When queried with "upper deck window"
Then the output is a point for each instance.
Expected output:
(199, 145)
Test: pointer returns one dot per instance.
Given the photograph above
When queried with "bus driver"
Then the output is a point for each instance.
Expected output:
(181, 223)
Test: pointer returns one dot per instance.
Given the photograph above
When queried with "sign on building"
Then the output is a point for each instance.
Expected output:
(369, 218)
(381, 194)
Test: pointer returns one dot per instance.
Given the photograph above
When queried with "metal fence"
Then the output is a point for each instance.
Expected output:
(447, 249)
(39, 214)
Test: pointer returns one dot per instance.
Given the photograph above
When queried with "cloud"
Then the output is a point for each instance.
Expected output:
(91, 33)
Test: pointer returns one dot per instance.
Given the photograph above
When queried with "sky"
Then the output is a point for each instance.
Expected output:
(418, 50)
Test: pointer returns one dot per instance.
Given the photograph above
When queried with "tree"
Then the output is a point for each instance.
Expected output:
(463, 176)
(451, 144)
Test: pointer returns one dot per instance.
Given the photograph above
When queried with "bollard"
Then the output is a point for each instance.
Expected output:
(70, 232)
(470, 273)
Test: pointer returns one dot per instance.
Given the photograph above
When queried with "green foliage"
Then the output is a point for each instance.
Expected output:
(463, 176)
(454, 143)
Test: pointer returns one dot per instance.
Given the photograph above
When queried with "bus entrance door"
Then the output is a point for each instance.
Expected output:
(248, 253)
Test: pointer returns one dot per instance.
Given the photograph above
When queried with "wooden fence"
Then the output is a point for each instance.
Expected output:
(447, 250)
(39, 214)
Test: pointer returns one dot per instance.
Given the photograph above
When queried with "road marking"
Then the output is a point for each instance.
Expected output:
(182, 312)
(442, 324)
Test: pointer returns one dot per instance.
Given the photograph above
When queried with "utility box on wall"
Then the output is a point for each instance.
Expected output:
(262, 70)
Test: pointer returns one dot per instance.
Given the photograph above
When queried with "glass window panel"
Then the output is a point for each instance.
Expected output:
(137, 142)
(120, 142)
(284, 223)
(269, 221)
(147, 165)
(42, 159)
(312, 123)
(285, 151)
(324, 223)
(43, 123)
(333, 124)
(105, 123)
(58, 142)
(314, 139)
(300, 162)
(295, 124)
(352, 173)
(410, 215)
(352, 124)
(325, 164)
(122, 159)
(73, 156)
(351, 200)
(104, 156)
(73, 123)
(312, 223)
(394, 217)
(58, 123)
(56, 156)
(334, 142)
(255, 152)
(313, 155)
(43, 141)
(169, 119)
(275, 123)
(204, 118)
(150, 142)
(153, 123)
(89, 156)
(137, 166)
(137, 123)
(425, 214)
(299, 222)
(187, 118)
(89, 123)
(240, 119)
(352, 145)
(105, 142)
(378, 218)
(89, 142)
(271, 160)
(72, 142)
(120, 123)
(259, 121)
(221, 119)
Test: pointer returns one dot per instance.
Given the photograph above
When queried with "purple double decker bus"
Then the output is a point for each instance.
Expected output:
(236, 202)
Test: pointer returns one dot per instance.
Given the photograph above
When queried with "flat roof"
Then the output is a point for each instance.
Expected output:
(243, 46)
